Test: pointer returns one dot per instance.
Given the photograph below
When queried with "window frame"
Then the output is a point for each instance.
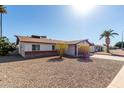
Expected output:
(35, 47)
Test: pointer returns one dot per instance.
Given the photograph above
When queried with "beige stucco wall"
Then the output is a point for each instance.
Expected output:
(92, 48)
(82, 43)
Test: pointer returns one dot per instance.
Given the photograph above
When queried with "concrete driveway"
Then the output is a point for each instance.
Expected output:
(118, 81)
(117, 58)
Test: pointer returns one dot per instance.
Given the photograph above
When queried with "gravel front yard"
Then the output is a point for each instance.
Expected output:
(51, 72)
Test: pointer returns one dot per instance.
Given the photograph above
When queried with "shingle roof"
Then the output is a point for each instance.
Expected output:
(37, 40)
(45, 40)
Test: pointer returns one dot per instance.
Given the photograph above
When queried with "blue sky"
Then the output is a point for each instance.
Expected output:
(61, 22)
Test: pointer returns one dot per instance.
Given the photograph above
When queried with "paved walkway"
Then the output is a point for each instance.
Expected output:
(109, 57)
(118, 81)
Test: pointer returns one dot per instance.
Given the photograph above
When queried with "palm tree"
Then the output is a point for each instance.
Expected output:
(2, 11)
(107, 34)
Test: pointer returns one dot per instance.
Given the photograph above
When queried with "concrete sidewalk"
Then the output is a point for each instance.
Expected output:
(108, 57)
(118, 81)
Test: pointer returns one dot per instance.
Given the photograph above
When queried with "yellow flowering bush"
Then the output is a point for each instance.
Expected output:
(85, 49)
(61, 48)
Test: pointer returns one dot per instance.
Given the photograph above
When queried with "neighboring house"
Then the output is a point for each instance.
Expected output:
(35, 46)
(98, 48)
(92, 48)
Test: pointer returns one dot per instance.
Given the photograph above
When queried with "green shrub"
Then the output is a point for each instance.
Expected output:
(5, 46)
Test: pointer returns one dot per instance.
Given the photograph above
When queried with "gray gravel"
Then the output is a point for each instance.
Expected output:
(51, 72)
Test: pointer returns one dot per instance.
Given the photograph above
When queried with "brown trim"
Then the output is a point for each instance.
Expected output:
(39, 51)
(30, 54)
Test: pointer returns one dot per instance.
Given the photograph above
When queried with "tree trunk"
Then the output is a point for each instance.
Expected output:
(61, 53)
(108, 48)
(1, 26)
(107, 44)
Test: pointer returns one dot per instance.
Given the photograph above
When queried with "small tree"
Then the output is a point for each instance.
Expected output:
(119, 44)
(107, 34)
(61, 49)
(5, 46)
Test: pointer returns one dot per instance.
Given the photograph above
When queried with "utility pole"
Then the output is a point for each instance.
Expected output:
(122, 41)
(1, 25)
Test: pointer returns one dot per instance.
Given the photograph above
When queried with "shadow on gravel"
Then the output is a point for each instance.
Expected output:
(11, 58)
(57, 59)
(85, 60)
(14, 58)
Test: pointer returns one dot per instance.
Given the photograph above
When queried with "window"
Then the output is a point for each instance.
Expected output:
(35, 47)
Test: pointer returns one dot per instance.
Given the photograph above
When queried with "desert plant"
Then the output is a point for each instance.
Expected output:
(85, 50)
(61, 49)
(107, 34)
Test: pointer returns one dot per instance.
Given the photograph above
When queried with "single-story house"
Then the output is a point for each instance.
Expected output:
(42, 46)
